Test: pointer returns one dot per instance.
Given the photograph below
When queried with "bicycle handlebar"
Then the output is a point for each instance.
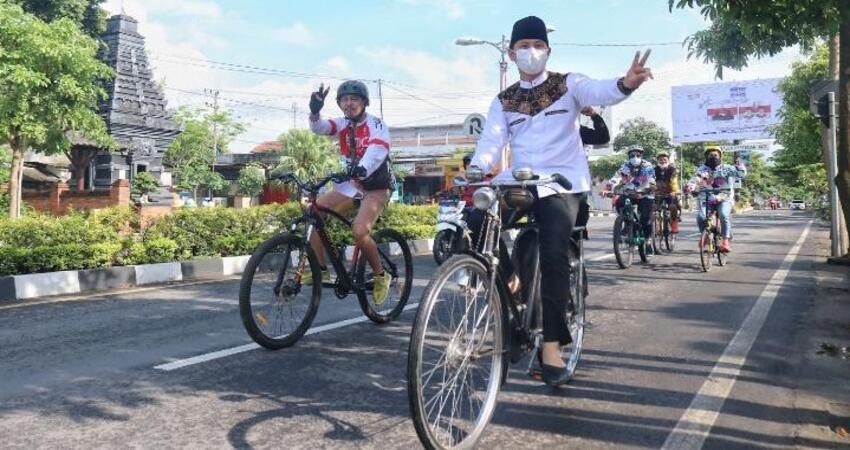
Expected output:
(311, 185)
(537, 180)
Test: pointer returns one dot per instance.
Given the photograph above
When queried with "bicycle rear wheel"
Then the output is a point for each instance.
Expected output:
(658, 233)
(276, 309)
(706, 249)
(398, 262)
(454, 366)
(624, 248)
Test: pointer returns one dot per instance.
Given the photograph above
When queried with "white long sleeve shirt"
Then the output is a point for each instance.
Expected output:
(539, 119)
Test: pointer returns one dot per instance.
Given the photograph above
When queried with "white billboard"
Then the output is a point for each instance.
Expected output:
(725, 111)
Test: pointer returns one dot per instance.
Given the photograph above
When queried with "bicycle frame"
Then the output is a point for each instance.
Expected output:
(312, 215)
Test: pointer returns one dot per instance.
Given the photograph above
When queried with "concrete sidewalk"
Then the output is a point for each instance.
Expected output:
(822, 391)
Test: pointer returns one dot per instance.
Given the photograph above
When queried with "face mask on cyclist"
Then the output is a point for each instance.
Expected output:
(635, 160)
(712, 161)
(532, 60)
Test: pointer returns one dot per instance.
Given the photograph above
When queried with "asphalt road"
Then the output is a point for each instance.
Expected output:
(675, 357)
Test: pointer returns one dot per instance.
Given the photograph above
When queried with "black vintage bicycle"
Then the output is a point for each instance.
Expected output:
(473, 321)
(277, 309)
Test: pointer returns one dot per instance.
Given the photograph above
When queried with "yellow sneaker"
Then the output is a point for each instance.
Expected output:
(382, 287)
(307, 277)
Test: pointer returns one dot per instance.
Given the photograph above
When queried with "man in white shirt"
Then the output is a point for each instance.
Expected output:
(538, 117)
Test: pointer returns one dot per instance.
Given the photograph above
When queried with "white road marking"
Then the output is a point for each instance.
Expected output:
(696, 423)
(180, 363)
(693, 235)
(601, 257)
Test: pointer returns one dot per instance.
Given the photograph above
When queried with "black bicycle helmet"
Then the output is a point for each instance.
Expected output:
(467, 159)
(353, 87)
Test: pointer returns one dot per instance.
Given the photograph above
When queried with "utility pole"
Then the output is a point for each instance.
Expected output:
(215, 93)
(294, 114)
(380, 100)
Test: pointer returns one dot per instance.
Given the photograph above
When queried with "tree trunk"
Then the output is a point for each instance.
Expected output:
(81, 158)
(834, 49)
(842, 178)
(15, 178)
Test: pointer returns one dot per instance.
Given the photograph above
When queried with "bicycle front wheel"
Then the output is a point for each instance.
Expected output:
(624, 249)
(397, 261)
(276, 308)
(706, 249)
(454, 366)
(722, 258)
(669, 237)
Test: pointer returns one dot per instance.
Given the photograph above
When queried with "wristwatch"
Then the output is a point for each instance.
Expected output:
(622, 87)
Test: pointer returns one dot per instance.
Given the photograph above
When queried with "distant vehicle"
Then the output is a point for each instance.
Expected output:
(797, 204)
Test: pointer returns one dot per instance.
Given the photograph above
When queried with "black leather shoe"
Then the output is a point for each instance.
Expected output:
(554, 376)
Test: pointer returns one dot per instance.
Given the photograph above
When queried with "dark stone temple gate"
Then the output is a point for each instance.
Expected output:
(135, 112)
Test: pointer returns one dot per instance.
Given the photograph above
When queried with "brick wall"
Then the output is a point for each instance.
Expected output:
(59, 200)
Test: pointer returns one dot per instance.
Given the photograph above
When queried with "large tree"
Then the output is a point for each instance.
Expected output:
(51, 84)
(648, 134)
(799, 132)
(86, 13)
(741, 29)
(91, 19)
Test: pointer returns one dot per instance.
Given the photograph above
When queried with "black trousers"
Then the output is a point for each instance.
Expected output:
(556, 217)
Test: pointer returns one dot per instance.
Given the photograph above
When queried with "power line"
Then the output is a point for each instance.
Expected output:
(390, 85)
(644, 44)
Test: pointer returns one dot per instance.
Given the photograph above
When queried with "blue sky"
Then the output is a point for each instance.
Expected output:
(410, 43)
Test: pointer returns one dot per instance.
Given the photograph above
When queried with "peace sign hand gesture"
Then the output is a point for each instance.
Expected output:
(317, 99)
(638, 73)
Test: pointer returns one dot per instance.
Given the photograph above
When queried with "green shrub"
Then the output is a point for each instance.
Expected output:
(202, 231)
(160, 250)
(82, 240)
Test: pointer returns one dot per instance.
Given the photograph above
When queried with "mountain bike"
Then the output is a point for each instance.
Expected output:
(472, 322)
(628, 233)
(277, 309)
(709, 243)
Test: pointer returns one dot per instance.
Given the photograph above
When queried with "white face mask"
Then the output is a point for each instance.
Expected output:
(664, 165)
(531, 60)
(635, 160)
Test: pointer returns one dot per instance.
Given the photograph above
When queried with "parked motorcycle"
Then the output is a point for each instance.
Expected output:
(452, 234)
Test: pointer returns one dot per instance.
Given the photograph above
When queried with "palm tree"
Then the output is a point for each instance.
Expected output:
(307, 155)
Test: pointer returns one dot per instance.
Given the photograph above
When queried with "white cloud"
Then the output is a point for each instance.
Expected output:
(297, 33)
(338, 66)
(450, 8)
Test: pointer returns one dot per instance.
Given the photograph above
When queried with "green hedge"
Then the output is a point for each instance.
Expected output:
(84, 240)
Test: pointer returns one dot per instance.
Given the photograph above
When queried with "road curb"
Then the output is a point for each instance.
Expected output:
(22, 287)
